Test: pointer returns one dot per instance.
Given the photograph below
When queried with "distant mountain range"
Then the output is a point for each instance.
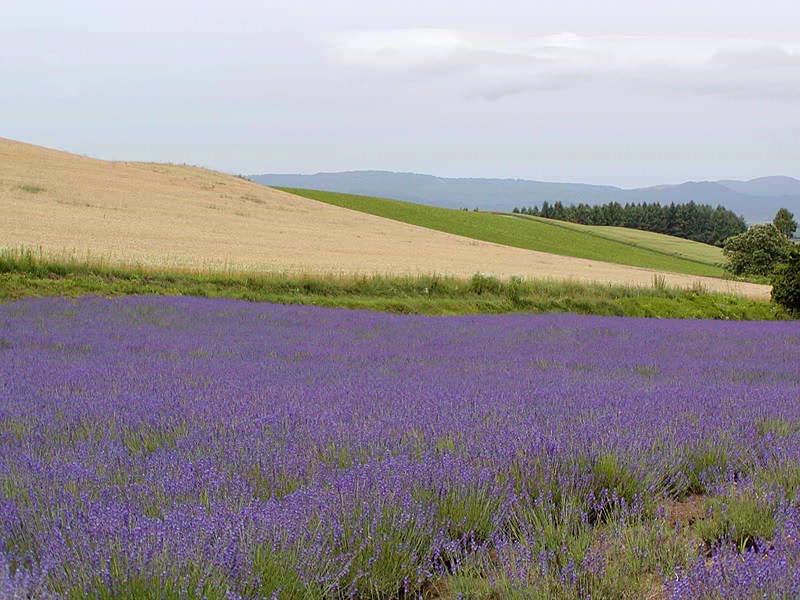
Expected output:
(756, 200)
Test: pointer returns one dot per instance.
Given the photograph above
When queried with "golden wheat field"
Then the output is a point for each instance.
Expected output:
(175, 216)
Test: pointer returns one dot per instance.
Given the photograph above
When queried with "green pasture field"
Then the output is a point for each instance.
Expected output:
(658, 242)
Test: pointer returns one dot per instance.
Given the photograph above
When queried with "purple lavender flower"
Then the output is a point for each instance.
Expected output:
(222, 449)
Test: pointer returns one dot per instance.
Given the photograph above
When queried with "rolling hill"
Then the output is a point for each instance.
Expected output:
(772, 187)
(757, 200)
(175, 216)
(611, 244)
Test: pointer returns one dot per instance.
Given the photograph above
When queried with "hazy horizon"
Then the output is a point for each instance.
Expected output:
(623, 187)
(619, 93)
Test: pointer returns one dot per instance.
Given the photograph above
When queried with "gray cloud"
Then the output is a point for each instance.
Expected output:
(496, 65)
(467, 91)
(760, 57)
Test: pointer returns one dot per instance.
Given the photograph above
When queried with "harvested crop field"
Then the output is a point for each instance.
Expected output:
(186, 217)
(218, 449)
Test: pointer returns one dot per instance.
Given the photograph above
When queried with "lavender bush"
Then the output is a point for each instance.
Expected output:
(215, 449)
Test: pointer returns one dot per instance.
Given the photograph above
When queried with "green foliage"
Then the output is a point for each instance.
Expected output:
(784, 477)
(778, 427)
(521, 232)
(757, 251)
(556, 525)
(609, 474)
(186, 581)
(277, 577)
(738, 517)
(148, 438)
(786, 283)
(468, 512)
(515, 290)
(384, 555)
(631, 557)
(698, 464)
(785, 223)
(153, 588)
(482, 283)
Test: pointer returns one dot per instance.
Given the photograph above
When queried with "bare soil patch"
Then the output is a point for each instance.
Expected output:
(687, 511)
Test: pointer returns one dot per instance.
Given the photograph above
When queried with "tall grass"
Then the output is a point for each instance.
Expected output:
(26, 272)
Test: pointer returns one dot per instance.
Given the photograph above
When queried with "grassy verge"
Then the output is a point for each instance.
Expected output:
(25, 273)
(531, 234)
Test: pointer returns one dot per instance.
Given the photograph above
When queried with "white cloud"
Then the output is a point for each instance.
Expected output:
(497, 64)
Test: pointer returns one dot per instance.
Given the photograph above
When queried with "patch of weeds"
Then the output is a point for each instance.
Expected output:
(446, 444)
(625, 560)
(635, 556)
(252, 199)
(777, 427)
(277, 576)
(484, 283)
(339, 457)
(784, 476)
(137, 587)
(31, 189)
(149, 438)
(267, 485)
(19, 428)
(610, 476)
(515, 291)
(738, 517)
(699, 465)
(467, 513)
(647, 371)
(698, 287)
(659, 282)
(558, 527)
(544, 364)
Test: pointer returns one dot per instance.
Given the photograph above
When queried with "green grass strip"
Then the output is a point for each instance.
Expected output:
(655, 242)
(25, 273)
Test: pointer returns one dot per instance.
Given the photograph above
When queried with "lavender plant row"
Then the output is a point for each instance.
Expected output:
(193, 448)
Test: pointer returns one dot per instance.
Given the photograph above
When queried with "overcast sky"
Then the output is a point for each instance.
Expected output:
(626, 93)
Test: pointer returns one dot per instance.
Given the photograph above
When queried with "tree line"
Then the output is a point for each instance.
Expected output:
(698, 222)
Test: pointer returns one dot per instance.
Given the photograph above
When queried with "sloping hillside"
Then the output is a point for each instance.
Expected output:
(543, 235)
(657, 242)
(181, 216)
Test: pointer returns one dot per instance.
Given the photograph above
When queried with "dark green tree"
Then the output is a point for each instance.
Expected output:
(786, 283)
(699, 222)
(757, 251)
(785, 223)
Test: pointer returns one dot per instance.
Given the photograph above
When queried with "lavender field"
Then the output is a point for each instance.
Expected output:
(171, 448)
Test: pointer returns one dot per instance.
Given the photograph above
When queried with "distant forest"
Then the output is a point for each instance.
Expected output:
(698, 222)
